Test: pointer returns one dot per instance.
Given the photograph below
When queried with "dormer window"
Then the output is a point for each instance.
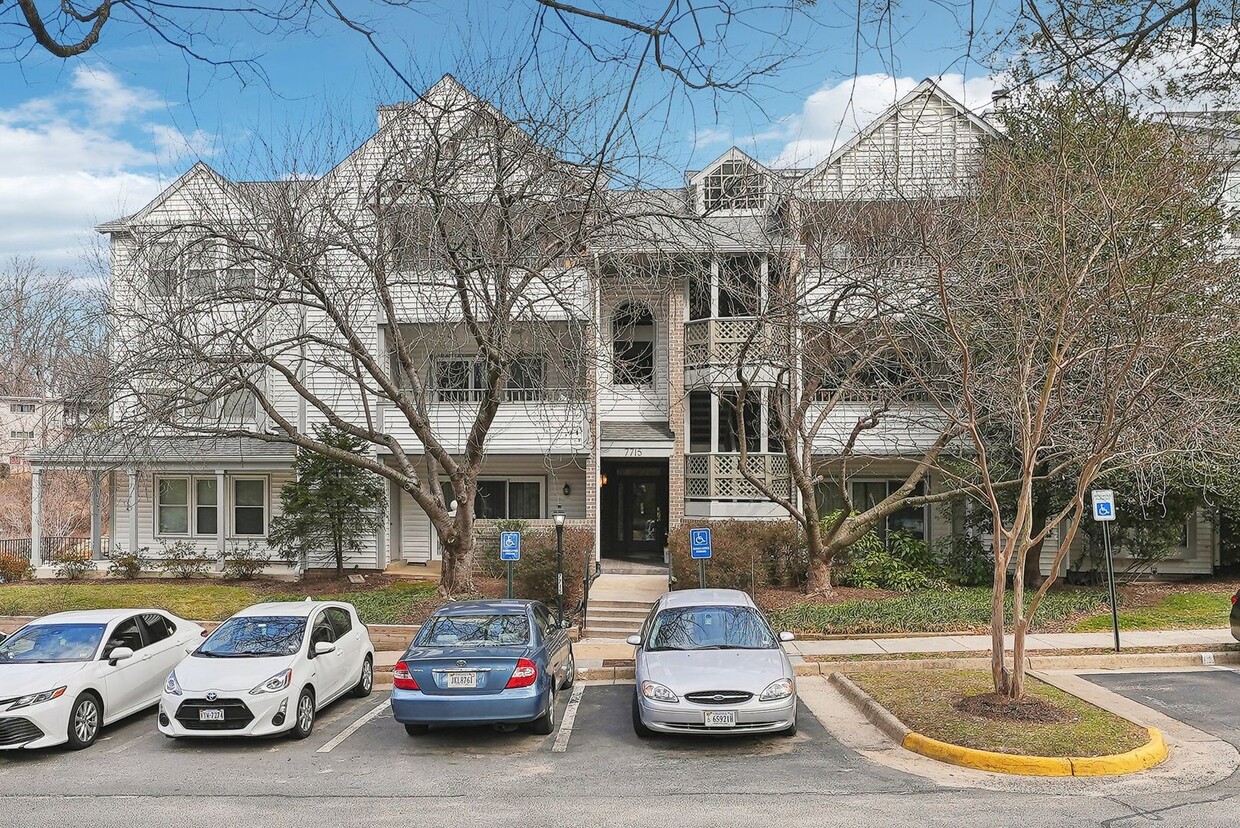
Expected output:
(733, 185)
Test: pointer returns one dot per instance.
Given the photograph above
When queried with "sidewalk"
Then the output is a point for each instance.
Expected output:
(593, 652)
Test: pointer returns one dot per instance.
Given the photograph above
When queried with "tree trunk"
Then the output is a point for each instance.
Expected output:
(998, 667)
(818, 571)
(456, 575)
(338, 551)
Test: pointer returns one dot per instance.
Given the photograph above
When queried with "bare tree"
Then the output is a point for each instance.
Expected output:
(1089, 297)
(431, 285)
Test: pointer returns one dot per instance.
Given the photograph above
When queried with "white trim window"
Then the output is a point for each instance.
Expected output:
(21, 408)
(633, 341)
(463, 379)
(505, 498)
(206, 506)
(186, 506)
(20, 434)
(249, 506)
(866, 493)
(733, 185)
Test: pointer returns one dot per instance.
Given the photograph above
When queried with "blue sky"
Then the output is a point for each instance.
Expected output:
(89, 139)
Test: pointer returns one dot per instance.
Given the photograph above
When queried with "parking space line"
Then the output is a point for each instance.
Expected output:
(353, 728)
(566, 726)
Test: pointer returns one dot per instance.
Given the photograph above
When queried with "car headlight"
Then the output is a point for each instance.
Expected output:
(37, 698)
(658, 692)
(780, 689)
(280, 681)
(172, 687)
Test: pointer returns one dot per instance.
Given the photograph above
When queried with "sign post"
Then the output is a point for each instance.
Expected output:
(1104, 513)
(699, 550)
(510, 552)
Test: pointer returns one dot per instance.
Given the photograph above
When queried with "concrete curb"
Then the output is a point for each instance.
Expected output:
(1047, 662)
(879, 716)
(1152, 753)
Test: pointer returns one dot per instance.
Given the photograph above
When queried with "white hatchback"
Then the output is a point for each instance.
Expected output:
(269, 669)
(66, 675)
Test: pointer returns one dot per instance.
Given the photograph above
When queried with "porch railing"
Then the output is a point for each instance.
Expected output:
(729, 341)
(720, 476)
(51, 546)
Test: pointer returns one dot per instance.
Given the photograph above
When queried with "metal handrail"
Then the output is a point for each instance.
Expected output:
(587, 578)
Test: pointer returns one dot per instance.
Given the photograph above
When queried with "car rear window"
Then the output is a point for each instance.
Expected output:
(475, 630)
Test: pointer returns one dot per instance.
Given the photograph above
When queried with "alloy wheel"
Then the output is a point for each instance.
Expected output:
(305, 712)
(86, 721)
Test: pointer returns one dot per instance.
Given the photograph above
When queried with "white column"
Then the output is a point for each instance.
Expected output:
(131, 509)
(220, 516)
(36, 516)
(96, 514)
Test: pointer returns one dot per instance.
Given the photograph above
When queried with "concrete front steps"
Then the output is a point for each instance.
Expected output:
(619, 603)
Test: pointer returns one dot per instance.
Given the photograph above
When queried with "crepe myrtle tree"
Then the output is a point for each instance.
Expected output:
(1088, 287)
(433, 282)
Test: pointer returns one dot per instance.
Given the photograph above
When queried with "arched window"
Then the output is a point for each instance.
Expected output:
(632, 334)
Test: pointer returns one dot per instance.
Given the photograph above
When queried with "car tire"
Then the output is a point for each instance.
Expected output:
(639, 727)
(85, 720)
(366, 681)
(544, 725)
(570, 672)
(303, 715)
(416, 729)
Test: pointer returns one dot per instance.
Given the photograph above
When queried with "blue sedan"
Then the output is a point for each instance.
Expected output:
(484, 662)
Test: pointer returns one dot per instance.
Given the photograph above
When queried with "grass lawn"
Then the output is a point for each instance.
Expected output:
(1183, 611)
(940, 610)
(212, 601)
(923, 701)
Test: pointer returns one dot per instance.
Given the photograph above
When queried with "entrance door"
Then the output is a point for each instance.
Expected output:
(634, 501)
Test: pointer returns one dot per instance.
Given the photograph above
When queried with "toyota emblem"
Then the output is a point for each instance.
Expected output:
(212, 696)
(461, 662)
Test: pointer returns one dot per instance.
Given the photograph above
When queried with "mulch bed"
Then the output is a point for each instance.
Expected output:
(1004, 709)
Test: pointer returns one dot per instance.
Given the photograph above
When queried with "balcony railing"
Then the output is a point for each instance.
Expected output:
(473, 395)
(729, 341)
(720, 477)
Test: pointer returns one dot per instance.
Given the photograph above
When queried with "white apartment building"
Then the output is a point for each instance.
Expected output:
(630, 444)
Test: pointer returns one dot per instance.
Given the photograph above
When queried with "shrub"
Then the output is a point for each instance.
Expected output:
(965, 561)
(183, 559)
(72, 564)
(243, 562)
(745, 554)
(903, 564)
(534, 574)
(14, 567)
(486, 545)
(125, 564)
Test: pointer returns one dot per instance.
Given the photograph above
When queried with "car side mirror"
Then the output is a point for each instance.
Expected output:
(786, 636)
(635, 640)
(119, 654)
(324, 647)
(566, 624)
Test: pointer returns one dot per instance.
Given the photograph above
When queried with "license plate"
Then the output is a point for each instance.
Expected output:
(462, 680)
(211, 715)
(721, 718)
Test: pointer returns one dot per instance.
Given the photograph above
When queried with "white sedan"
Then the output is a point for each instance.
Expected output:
(66, 675)
(269, 669)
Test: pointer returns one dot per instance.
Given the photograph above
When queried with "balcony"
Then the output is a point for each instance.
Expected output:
(719, 476)
(723, 342)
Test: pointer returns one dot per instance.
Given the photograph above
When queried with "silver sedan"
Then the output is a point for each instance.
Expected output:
(708, 662)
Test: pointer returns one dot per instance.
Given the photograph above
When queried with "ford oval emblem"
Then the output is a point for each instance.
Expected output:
(212, 696)
(461, 662)
(719, 697)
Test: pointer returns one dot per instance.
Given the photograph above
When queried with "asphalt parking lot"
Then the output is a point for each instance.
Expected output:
(1203, 698)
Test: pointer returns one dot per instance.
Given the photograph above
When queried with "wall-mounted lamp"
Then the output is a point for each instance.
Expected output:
(568, 490)
(602, 480)
(452, 509)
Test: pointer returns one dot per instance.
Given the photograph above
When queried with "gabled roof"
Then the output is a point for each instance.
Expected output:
(693, 178)
(927, 87)
(199, 169)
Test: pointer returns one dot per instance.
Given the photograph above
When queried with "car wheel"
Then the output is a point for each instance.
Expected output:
(544, 725)
(639, 728)
(303, 717)
(570, 672)
(416, 729)
(84, 721)
(367, 680)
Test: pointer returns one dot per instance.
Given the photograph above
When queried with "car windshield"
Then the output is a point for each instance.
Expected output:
(51, 643)
(254, 636)
(710, 628)
(475, 631)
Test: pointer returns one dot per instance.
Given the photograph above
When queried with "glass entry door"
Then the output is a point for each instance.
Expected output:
(634, 500)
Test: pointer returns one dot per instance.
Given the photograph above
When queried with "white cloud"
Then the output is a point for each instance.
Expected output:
(836, 112)
(85, 154)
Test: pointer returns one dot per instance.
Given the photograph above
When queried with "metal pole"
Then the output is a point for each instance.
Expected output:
(510, 579)
(559, 573)
(702, 573)
(1106, 543)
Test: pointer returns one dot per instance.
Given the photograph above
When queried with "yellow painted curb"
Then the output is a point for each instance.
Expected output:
(1148, 755)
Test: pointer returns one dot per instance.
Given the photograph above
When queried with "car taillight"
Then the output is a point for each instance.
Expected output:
(401, 679)
(1234, 597)
(524, 675)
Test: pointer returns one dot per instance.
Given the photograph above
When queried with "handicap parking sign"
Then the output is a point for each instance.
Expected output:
(699, 543)
(1104, 504)
(510, 546)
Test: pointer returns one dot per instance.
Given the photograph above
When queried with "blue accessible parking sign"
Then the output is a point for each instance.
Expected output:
(510, 546)
(699, 543)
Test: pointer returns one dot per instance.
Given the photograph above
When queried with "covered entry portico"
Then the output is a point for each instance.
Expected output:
(633, 491)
